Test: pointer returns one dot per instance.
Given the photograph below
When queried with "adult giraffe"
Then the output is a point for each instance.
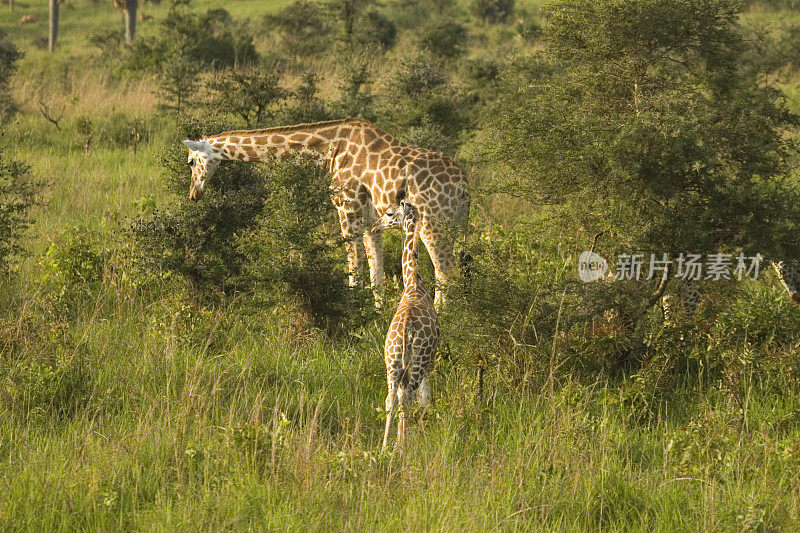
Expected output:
(369, 167)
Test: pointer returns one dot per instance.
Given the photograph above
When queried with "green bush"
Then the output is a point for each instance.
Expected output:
(108, 41)
(492, 11)
(9, 55)
(303, 28)
(60, 386)
(203, 40)
(73, 267)
(262, 231)
(759, 317)
(304, 103)
(444, 38)
(418, 103)
(197, 240)
(250, 93)
(376, 29)
(291, 252)
(355, 96)
(17, 196)
(177, 81)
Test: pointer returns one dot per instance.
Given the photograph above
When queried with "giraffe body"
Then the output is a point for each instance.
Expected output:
(410, 347)
(369, 167)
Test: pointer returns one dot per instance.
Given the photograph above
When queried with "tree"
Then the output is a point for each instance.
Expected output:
(647, 128)
(128, 7)
(247, 92)
(17, 196)
(53, 34)
(304, 31)
(493, 11)
(9, 54)
(177, 80)
(348, 12)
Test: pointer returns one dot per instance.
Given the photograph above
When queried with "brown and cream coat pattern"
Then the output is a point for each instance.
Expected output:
(410, 347)
(369, 167)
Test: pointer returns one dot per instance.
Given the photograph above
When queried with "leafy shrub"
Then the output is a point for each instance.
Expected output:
(375, 28)
(9, 55)
(706, 444)
(417, 102)
(124, 131)
(73, 266)
(760, 318)
(17, 196)
(197, 240)
(120, 130)
(492, 11)
(291, 253)
(444, 38)
(60, 385)
(250, 93)
(108, 41)
(504, 309)
(418, 75)
(261, 231)
(355, 97)
(177, 81)
(213, 38)
(304, 104)
(302, 26)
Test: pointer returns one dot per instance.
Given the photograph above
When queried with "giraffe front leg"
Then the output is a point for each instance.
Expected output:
(373, 243)
(352, 225)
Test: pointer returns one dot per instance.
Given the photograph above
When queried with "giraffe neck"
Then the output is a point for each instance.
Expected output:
(410, 263)
(266, 144)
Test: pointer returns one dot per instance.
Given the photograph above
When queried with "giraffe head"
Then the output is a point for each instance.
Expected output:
(402, 216)
(204, 160)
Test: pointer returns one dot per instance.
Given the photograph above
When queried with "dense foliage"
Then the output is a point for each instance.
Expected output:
(9, 55)
(17, 197)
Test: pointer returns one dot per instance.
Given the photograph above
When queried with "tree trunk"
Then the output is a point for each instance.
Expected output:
(53, 25)
(11, 5)
(130, 19)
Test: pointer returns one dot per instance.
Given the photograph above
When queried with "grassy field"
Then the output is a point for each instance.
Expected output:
(126, 406)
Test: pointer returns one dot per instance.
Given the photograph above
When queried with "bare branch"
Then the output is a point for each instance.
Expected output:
(46, 114)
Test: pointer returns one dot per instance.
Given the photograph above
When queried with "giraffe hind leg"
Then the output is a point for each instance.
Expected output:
(391, 407)
(424, 395)
(441, 254)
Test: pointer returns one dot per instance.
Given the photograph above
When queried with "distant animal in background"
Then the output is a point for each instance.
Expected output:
(28, 19)
(145, 17)
(410, 348)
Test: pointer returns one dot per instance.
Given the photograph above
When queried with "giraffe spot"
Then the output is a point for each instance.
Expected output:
(372, 161)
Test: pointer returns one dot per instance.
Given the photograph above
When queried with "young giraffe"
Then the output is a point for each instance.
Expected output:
(369, 166)
(413, 335)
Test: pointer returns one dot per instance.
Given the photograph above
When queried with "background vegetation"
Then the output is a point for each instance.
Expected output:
(177, 365)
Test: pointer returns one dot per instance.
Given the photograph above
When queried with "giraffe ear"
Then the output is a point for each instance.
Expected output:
(193, 145)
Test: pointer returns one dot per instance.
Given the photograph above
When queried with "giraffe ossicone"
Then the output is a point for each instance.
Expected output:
(369, 167)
